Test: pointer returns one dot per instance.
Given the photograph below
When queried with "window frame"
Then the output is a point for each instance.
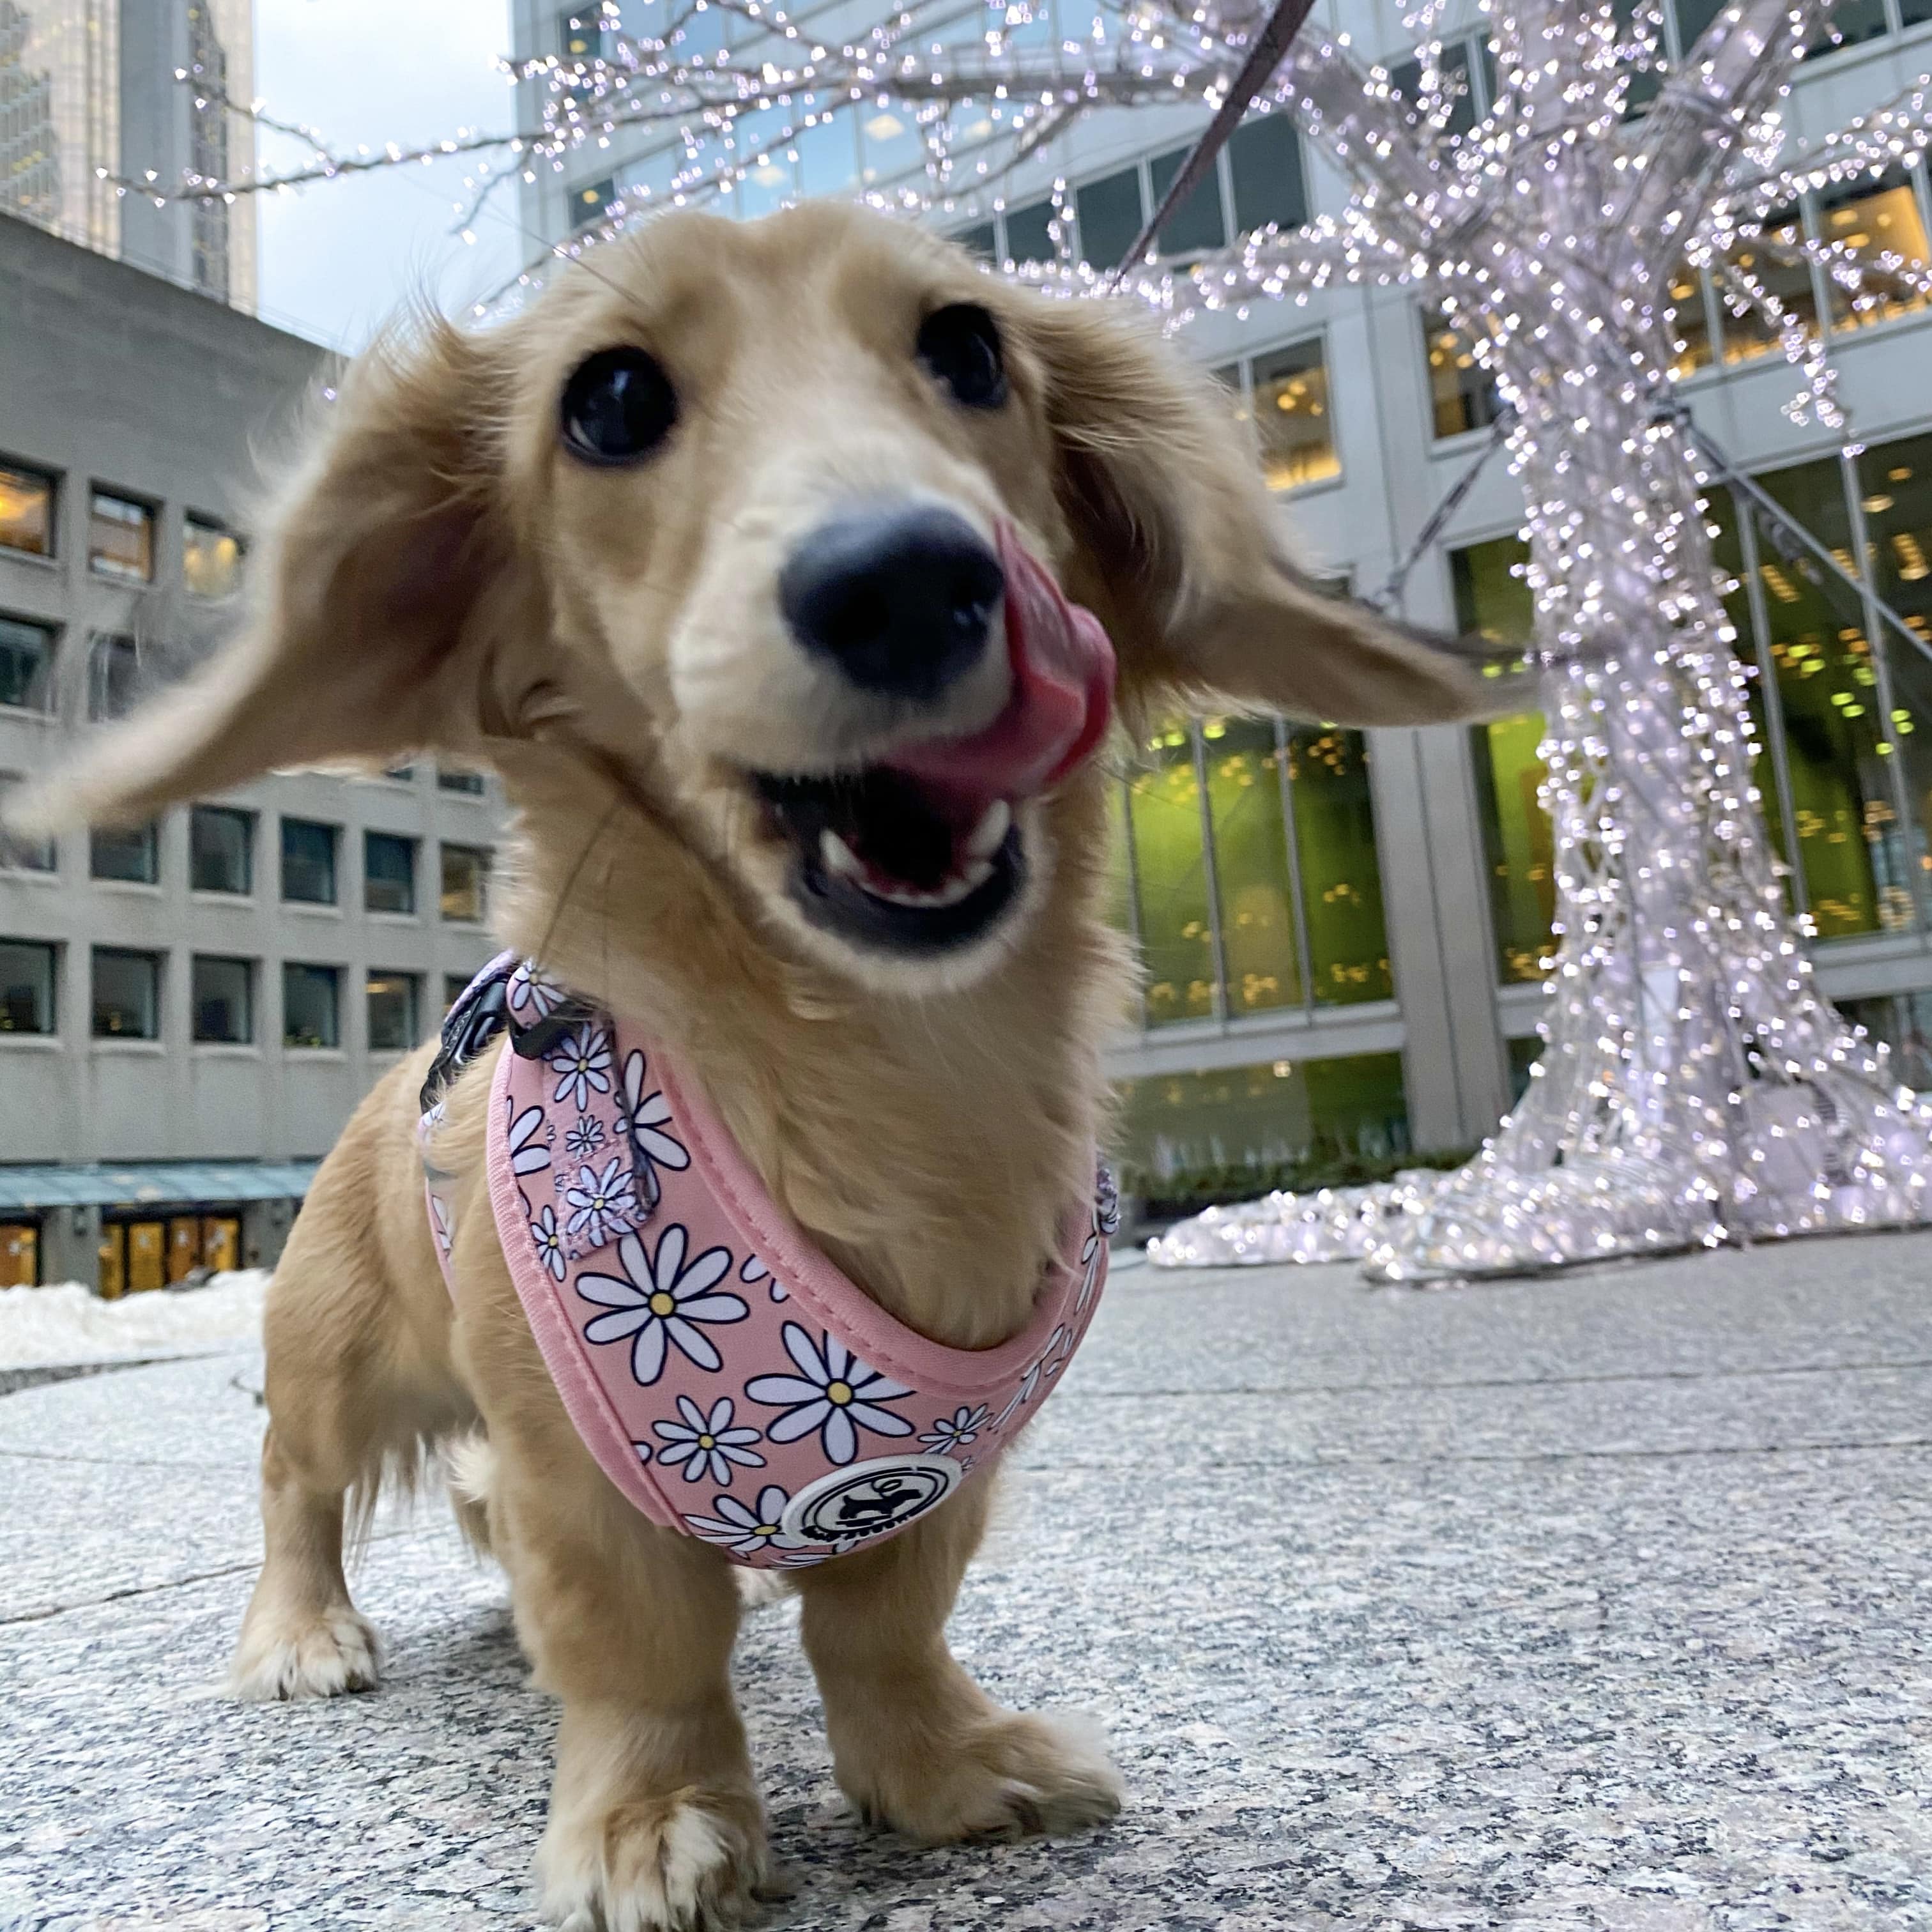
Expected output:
(247, 820)
(250, 1002)
(486, 859)
(290, 821)
(332, 974)
(195, 522)
(14, 845)
(51, 633)
(412, 847)
(152, 881)
(52, 949)
(99, 492)
(105, 650)
(412, 982)
(156, 962)
(53, 479)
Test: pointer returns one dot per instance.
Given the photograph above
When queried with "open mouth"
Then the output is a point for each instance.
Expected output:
(884, 861)
(920, 852)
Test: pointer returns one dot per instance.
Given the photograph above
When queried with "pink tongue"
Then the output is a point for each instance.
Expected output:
(1063, 690)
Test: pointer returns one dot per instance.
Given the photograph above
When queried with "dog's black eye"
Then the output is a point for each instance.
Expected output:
(961, 346)
(618, 406)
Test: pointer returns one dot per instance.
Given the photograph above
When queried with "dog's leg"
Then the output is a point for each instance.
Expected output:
(915, 1744)
(302, 1637)
(655, 1818)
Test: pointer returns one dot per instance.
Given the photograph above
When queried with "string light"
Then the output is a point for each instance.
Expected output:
(1695, 1087)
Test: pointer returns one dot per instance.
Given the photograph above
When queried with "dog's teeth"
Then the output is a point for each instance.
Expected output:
(987, 837)
(976, 875)
(838, 857)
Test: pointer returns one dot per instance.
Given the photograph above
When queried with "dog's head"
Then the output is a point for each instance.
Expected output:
(825, 547)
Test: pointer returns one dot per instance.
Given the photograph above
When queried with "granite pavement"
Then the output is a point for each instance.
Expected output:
(1598, 1602)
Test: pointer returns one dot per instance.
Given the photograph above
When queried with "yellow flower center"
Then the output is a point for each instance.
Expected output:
(766, 1529)
(706, 1442)
(661, 1304)
(840, 1392)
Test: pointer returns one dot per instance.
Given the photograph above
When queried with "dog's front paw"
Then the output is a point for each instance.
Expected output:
(692, 1861)
(315, 1654)
(1007, 1777)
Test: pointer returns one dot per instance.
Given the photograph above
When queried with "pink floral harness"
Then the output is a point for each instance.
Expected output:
(728, 1379)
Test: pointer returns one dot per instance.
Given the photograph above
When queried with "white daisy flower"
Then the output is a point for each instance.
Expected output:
(645, 1118)
(746, 1530)
(586, 1138)
(581, 1061)
(531, 995)
(754, 1269)
(661, 1302)
(705, 1444)
(1030, 1382)
(956, 1430)
(530, 1151)
(834, 1392)
(605, 1203)
(549, 1239)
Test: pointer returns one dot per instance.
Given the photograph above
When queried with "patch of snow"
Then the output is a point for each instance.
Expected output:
(68, 1323)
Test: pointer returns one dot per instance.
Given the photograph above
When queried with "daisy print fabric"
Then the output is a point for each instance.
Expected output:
(729, 1381)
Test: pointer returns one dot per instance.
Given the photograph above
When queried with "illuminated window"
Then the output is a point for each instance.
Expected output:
(1341, 875)
(120, 538)
(311, 1006)
(1183, 1137)
(223, 1000)
(1748, 331)
(26, 664)
(590, 200)
(1177, 928)
(1293, 429)
(581, 35)
(210, 559)
(466, 877)
(1245, 765)
(1866, 223)
(1895, 499)
(26, 511)
(28, 979)
(127, 993)
(1463, 393)
(1690, 319)
(392, 1012)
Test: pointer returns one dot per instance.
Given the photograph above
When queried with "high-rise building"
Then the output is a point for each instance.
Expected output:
(88, 89)
(1345, 933)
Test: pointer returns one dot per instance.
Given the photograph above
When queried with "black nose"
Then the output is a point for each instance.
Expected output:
(902, 599)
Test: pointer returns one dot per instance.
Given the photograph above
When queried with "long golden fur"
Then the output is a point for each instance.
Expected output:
(442, 576)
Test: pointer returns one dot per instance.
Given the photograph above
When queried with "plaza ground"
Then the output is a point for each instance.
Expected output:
(1597, 1602)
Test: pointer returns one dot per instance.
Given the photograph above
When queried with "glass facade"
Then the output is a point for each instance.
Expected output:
(1832, 764)
(1243, 1129)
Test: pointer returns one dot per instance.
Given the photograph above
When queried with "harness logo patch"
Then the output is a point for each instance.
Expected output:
(870, 1499)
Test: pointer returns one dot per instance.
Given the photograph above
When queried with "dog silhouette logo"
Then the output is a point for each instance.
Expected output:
(871, 1499)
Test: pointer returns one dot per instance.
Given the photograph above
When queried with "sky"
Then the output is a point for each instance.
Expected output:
(338, 257)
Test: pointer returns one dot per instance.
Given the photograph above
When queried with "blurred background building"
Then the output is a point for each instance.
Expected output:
(89, 88)
(189, 1009)
(1345, 932)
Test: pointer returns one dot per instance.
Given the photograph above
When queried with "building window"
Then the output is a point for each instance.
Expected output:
(308, 862)
(1264, 166)
(113, 677)
(455, 986)
(26, 511)
(126, 995)
(224, 1004)
(1690, 320)
(27, 981)
(129, 855)
(210, 559)
(1748, 331)
(1341, 872)
(588, 200)
(1463, 393)
(26, 664)
(1183, 1139)
(1197, 223)
(1868, 222)
(389, 872)
(120, 538)
(469, 783)
(1852, 22)
(221, 849)
(983, 241)
(1110, 217)
(1029, 236)
(466, 875)
(1175, 922)
(1293, 431)
(1458, 93)
(392, 1012)
(1245, 760)
(581, 35)
(18, 853)
(310, 1006)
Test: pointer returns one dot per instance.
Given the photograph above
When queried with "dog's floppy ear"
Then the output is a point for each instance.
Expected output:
(369, 632)
(1182, 558)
